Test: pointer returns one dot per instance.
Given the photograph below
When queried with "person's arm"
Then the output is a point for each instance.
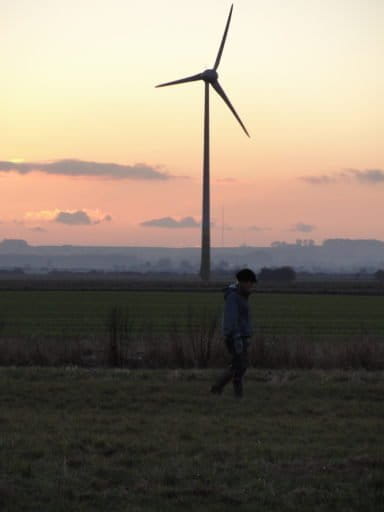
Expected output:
(231, 316)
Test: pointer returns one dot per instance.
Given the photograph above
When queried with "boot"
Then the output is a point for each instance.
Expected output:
(238, 387)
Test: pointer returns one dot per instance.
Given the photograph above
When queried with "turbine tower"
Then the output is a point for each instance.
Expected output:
(209, 77)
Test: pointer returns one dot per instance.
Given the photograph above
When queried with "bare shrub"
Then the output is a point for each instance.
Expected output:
(355, 353)
(120, 327)
(202, 333)
(258, 352)
(304, 355)
(47, 351)
(180, 350)
(270, 352)
(155, 350)
(298, 352)
(194, 342)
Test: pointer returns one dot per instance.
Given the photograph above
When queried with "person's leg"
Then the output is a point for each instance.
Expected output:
(227, 375)
(239, 365)
(222, 381)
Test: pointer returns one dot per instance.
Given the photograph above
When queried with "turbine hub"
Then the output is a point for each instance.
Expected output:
(210, 75)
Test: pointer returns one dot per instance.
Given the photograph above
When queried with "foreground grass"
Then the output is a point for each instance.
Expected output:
(78, 440)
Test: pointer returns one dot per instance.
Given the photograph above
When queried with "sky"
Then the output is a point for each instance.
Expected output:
(92, 153)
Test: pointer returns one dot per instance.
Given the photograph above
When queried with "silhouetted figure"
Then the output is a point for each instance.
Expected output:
(237, 330)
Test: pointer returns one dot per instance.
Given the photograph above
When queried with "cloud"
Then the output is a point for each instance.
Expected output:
(69, 217)
(38, 229)
(75, 168)
(372, 176)
(318, 180)
(73, 218)
(257, 228)
(368, 176)
(171, 223)
(303, 228)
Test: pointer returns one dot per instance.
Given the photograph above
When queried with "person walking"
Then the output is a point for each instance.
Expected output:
(236, 330)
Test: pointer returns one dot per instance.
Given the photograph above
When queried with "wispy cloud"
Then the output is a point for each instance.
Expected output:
(372, 176)
(38, 229)
(69, 217)
(367, 176)
(319, 180)
(81, 168)
(301, 227)
(171, 223)
(257, 228)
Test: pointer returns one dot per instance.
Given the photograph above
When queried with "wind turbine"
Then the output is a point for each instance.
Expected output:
(210, 77)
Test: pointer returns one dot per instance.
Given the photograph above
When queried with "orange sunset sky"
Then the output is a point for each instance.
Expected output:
(90, 150)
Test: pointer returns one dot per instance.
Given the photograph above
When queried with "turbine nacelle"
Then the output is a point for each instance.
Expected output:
(210, 75)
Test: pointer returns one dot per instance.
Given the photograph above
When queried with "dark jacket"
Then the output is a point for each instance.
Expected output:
(236, 321)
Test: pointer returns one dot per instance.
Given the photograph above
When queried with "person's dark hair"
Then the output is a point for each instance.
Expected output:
(246, 275)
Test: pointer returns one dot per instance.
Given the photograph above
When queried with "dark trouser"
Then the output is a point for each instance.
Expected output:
(238, 348)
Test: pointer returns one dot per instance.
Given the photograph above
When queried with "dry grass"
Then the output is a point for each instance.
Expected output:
(193, 342)
(200, 347)
(120, 440)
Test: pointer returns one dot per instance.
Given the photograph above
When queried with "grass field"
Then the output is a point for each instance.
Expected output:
(84, 313)
(78, 440)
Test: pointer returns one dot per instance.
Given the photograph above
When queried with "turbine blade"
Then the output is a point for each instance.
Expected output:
(222, 94)
(218, 58)
(182, 80)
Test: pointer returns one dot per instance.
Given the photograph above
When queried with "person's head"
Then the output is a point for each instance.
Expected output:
(246, 279)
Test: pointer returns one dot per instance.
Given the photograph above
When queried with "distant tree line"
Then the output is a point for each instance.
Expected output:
(277, 274)
(12, 271)
(379, 275)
